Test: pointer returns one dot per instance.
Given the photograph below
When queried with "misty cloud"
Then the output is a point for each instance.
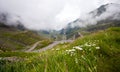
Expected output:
(112, 12)
(48, 14)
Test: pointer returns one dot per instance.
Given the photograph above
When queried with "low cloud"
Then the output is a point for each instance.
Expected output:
(48, 14)
(112, 12)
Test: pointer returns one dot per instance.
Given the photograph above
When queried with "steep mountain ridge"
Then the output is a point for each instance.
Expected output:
(109, 12)
(105, 16)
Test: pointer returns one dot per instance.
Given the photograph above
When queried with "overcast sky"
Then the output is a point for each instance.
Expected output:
(50, 14)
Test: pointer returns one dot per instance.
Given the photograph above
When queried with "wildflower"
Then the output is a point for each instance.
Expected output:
(89, 49)
(71, 52)
(76, 60)
(93, 44)
(57, 49)
(72, 49)
(78, 47)
(86, 44)
(97, 47)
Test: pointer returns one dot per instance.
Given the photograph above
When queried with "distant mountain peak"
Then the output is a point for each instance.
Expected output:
(109, 11)
(102, 9)
(106, 15)
(99, 11)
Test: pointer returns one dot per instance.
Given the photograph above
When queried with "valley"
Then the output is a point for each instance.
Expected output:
(90, 44)
(90, 53)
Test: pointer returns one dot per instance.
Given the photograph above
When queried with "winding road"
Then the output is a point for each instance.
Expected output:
(52, 45)
(33, 47)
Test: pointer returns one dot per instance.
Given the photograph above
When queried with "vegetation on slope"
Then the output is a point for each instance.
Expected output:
(70, 32)
(99, 52)
(12, 39)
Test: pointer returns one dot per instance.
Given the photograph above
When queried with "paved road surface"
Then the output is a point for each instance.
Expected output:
(33, 47)
(52, 45)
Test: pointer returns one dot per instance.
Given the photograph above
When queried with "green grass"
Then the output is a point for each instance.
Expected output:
(12, 39)
(17, 54)
(43, 43)
(99, 52)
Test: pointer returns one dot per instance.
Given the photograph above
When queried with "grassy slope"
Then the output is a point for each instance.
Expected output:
(99, 52)
(12, 39)
(92, 28)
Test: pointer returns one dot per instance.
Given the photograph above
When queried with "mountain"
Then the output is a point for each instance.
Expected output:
(104, 13)
(15, 37)
(51, 34)
(11, 20)
(105, 16)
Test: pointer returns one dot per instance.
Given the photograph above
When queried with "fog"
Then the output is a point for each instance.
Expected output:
(48, 14)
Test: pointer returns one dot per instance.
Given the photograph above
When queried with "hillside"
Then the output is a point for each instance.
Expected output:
(13, 38)
(98, 19)
(98, 52)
